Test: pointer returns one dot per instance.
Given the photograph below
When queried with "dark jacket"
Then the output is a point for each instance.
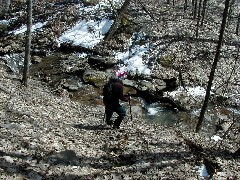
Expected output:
(117, 94)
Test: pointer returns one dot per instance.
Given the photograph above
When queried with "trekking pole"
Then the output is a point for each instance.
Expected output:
(104, 117)
(129, 102)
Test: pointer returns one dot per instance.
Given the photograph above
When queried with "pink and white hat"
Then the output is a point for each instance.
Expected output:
(120, 73)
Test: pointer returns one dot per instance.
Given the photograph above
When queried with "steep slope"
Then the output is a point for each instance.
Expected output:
(45, 136)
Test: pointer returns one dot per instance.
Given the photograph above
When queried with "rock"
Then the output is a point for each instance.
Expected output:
(67, 156)
(155, 85)
(98, 78)
(90, 2)
(12, 126)
(36, 59)
(130, 83)
(160, 84)
(236, 154)
(3, 26)
(183, 98)
(144, 85)
(102, 61)
(71, 84)
(166, 61)
(74, 63)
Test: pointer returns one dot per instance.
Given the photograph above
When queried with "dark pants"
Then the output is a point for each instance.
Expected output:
(120, 110)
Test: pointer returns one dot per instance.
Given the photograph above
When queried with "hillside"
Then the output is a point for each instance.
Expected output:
(54, 128)
(44, 136)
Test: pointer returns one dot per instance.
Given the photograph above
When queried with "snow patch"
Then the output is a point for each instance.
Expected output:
(23, 29)
(133, 59)
(203, 172)
(216, 138)
(4, 22)
(87, 33)
(193, 91)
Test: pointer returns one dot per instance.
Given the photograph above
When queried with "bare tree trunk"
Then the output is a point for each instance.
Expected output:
(213, 68)
(204, 11)
(117, 20)
(28, 43)
(198, 18)
(238, 22)
(185, 5)
(195, 9)
(193, 2)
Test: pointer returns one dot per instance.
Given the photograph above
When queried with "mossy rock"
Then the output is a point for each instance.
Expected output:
(98, 78)
(166, 61)
(125, 20)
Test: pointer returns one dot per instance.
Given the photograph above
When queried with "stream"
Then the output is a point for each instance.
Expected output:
(155, 112)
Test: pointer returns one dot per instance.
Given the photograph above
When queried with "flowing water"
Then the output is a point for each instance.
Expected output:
(158, 113)
(215, 117)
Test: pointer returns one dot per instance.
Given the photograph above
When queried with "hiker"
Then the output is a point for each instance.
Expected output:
(112, 94)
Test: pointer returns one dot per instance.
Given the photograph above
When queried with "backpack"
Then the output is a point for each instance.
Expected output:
(107, 92)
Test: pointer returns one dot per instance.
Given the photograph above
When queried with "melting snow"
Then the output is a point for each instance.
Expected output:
(133, 59)
(216, 138)
(87, 33)
(196, 91)
(24, 28)
(4, 22)
(193, 91)
(90, 33)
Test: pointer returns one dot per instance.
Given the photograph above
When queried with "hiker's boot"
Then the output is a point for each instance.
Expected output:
(117, 122)
(108, 113)
(109, 123)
